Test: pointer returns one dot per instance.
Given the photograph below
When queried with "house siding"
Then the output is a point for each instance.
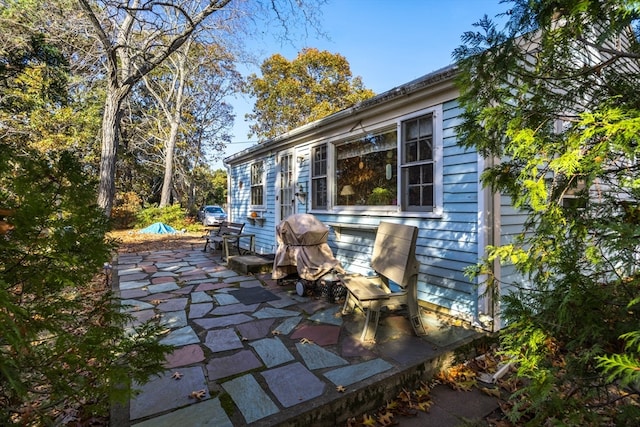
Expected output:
(450, 240)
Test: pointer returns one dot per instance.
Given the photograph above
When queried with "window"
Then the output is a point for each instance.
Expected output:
(366, 170)
(418, 164)
(319, 177)
(396, 168)
(257, 184)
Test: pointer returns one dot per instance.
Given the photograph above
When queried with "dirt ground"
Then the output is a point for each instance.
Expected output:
(130, 241)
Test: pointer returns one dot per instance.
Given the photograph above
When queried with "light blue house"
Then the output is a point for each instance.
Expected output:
(395, 157)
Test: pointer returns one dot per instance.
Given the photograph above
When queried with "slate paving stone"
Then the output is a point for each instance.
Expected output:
(293, 384)
(174, 304)
(258, 406)
(187, 355)
(269, 312)
(133, 293)
(142, 316)
(319, 334)
(149, 268)
(310, 306)
(330, 315)
(316, 357)
(185, 290)
(199, 310)
(223, 274)
(135, 305)
(163, 279)
(288, 325)
(170, 266)
(197, 297)
(163, 274)
(225, 299)
(180, 337)
(173, 319)
(208, 413)
(284, 301)
(133, 277)
(242, 361)
(163, 287)
(234, 308)
(222, 340)
(165, 393)
(208, 286)
(352, 374)
(221, 322)
(255, 330)
(123, 271)
(133, 285)
(160, 296)
(406, 350)
(353, 347)
(239, 278)
(272, 351)
(248, 283)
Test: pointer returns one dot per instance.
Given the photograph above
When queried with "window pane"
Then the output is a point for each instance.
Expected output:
(414, 196)
(414, 175)
(411, 130)
(319, 193)
(426, 153)
(426, 127)
(427, 195)
(320, 160)
(427, 174)
(411, 152)
(366, 170)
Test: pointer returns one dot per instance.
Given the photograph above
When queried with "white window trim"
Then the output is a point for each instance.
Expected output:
(438, 169)
(261, 207)
(391, 211)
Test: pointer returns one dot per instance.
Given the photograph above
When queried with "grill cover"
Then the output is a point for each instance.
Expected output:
(303, 248)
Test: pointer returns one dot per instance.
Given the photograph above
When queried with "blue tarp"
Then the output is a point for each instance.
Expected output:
(158, 228)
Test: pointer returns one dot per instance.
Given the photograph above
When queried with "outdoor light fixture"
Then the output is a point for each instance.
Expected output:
(301, 195)
(347, 190)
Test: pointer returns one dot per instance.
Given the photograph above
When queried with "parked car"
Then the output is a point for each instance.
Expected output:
(212, 215)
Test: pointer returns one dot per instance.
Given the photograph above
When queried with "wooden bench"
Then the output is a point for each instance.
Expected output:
(217, 236)
(393, 259)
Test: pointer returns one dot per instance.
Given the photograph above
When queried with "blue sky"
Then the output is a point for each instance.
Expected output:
(387, 43)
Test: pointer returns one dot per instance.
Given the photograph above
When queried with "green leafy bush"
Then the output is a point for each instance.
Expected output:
(173, 215)
(63, 335)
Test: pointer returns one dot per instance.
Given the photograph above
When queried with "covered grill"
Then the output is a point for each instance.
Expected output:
(303, 249)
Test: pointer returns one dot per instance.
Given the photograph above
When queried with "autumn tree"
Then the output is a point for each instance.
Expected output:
(554, 96)
(292, 93)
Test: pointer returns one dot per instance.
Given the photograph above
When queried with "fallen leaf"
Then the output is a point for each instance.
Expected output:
(368, 420)
(155, 301)
(275, 332)
(177, 375)
(306, 341)
(424, 406)
(491, 391)
(199, 395)
(386, 419)
(341, 389)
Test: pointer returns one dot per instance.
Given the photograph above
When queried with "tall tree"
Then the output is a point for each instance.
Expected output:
(196, 78)
(292, 93)
(554, 96)
(136, 37)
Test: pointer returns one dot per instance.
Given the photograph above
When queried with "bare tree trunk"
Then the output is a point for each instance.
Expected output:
(165, 198)
(110, 139)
